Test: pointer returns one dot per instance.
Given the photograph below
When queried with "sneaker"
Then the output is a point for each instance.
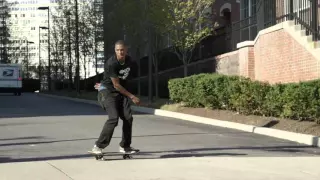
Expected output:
(128, 150)
(96, 150)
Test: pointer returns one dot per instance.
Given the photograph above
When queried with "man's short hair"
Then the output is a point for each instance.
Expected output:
(120, 42)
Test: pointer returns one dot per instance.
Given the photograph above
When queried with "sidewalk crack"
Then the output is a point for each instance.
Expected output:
(60, 170)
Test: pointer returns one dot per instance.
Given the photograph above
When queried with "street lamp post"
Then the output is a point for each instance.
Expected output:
(49, 61)
(40, 74)
(77, 50)
(28, 42)
(39, 60)
(69, 49)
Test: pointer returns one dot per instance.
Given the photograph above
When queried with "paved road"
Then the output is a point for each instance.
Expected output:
(47, 138)
(36, 128)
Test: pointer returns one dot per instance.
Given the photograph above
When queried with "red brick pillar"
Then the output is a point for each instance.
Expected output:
(246, 61)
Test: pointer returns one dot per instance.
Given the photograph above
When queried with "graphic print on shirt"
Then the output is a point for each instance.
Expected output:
(123, 73)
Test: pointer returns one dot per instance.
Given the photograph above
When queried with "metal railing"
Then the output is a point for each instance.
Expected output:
(271, 12)
(306, 14)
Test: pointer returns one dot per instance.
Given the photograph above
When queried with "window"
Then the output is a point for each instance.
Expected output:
(248, 25)
(247, 8)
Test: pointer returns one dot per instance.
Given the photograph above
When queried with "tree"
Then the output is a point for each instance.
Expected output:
(159, 21)
(190, 22)
(86, 31)
(97, 23)
(4, 30)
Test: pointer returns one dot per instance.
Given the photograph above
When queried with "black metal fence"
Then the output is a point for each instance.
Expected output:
(266, 13)
(169, 66)
(306, 14)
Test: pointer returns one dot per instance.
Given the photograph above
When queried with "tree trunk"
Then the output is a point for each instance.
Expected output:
(185, 69)
(185, 65)
(156, 77)
(85, 73)
(139, 71)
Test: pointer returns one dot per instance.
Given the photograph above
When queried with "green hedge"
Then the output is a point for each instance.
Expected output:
(299, 101)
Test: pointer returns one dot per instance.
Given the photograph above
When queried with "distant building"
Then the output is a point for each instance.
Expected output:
(25, 20)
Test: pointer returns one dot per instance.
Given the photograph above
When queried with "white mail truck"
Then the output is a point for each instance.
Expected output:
(11, 79)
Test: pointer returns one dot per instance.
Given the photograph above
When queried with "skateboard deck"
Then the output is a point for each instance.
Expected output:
(101, 156)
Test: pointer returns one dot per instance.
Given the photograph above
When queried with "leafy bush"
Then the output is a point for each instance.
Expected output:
(184, 89)
(299, 101)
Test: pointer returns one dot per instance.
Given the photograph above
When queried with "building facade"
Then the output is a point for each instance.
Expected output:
(28, 42)
(276, 41)
(256, 15)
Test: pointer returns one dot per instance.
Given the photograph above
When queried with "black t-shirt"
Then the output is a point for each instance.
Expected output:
(113, 68)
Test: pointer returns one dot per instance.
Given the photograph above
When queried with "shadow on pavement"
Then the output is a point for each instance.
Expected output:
(82, 139)
(116, 156)
(198, 152)
(21, 138)
(33, 105)
(290, 149)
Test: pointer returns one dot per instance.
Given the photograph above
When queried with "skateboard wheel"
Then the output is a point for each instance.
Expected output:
(99, 157)
(127, 156)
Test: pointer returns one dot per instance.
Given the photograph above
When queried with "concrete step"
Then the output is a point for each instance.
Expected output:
(291, 23)
(297, 27)
(303, 32)
(316, 44)
(307, 39)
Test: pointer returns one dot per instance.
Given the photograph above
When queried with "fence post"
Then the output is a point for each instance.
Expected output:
(291, 9)
(314, 20)
(260, 19)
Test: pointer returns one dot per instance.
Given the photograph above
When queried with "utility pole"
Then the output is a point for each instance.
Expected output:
(150, 55)
(69, 54)
(96, 53)
(69, 48)
(62, 55)
(40, 77)
(77, 50)
(49, 63)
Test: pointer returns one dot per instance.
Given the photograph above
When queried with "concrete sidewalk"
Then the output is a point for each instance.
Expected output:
(222, 168)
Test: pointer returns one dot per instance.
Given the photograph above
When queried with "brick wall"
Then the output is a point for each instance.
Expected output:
(228, 63)
(275, 57)
(246, 62)
(280, 59)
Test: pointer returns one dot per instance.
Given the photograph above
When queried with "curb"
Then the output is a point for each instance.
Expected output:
(291, 136)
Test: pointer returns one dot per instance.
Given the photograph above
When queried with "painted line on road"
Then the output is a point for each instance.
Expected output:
(291, 136)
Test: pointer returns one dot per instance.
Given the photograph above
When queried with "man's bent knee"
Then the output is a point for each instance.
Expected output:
(127, 118)
(113, 121)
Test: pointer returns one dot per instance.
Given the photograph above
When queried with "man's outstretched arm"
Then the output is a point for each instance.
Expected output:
(122, 90)
(118, 87)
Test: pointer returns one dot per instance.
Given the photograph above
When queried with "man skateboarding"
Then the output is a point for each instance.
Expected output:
(115, 99)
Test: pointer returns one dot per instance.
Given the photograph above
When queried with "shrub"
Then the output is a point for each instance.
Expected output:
(211, 91)
(299, 101)
(250, 96)
(183, 90)
(273, 104)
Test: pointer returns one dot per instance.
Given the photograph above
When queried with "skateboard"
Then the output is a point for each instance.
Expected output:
(101, 156)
